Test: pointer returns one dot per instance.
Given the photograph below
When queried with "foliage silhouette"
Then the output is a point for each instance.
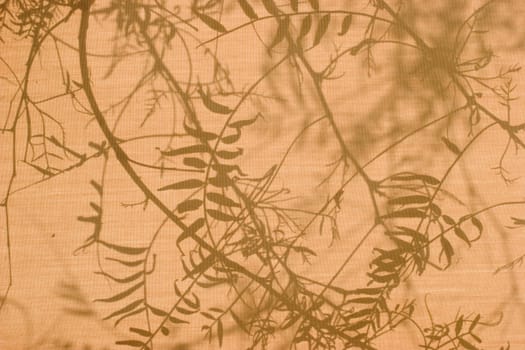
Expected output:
(232, 232)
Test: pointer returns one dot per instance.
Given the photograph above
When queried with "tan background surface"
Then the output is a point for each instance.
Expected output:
(372, 107)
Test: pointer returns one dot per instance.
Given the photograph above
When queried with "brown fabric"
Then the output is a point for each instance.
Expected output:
(261, 174)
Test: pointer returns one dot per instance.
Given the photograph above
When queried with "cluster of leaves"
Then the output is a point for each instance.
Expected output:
(233, 235)
(459, 334)
(421, 208)
(27, 18)
(220, 197)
